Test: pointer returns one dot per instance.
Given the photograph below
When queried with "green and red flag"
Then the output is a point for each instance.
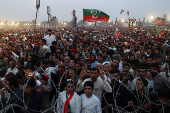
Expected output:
(160, 21)
(117, 33)
(93, 15)
(162, 32)
(149, 33)
(115, 26)
(158, 38)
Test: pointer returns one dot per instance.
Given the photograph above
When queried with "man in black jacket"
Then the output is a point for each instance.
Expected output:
(160, 101)
(138, 98)
(117, 100)
(31, 97)
(16, 95)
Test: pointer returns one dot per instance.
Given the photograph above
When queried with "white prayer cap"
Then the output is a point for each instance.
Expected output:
(70, 39)
(105, 63)
(45, 47)
(126, 51)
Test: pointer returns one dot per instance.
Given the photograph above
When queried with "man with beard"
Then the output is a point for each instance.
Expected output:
(12, 83)
(29, 52)
(100, 58)
(115, 64)
(36, 47)
(70, 75)
(160, 80)
(12, 67)
(79, 66)
(97, 50)
(138, 97)
(100, 84)
(118, 98)
(105, 56)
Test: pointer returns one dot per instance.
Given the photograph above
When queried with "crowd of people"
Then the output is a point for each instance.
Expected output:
(84, 70)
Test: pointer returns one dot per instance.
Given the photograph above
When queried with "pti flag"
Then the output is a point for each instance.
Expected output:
(122, 11)
(73, 12)
(160, 21)
(149, 33)
(93, 15)
(158, 37)
(117, 33)
(128, 12)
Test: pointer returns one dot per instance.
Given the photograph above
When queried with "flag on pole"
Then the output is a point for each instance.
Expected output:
(72, 13)
(128, 12)
(93, 15)
(115, 25)
(139, 20)
(149, 33)
(122, 11)
(158, 38)
(117, 33)
(160, 21)
(162, 32)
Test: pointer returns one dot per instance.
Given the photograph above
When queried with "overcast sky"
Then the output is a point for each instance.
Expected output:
(24, 10)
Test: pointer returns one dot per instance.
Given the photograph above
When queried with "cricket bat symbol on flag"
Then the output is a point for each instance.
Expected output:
(93, 15)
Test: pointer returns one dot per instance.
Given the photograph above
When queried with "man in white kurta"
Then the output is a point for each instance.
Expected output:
(74, 102)
(90, 105)
(99, 84)
(50, 38)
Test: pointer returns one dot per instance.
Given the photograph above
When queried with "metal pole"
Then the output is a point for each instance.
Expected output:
(48, 22)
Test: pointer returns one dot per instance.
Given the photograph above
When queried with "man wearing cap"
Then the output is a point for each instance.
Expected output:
(89, 62)
(36, 47)
(106, 69)
(50, 38)
(12, 67)
(66, 61)
(50, 71)
(56, 78)
(126, 52)
(69, 101)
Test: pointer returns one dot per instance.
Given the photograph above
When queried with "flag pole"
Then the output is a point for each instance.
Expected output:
(83, 24)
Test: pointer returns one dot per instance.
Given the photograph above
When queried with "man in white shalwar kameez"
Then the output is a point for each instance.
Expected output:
(50, 38)
(100, 84)
(90, 103)
(69, 101)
